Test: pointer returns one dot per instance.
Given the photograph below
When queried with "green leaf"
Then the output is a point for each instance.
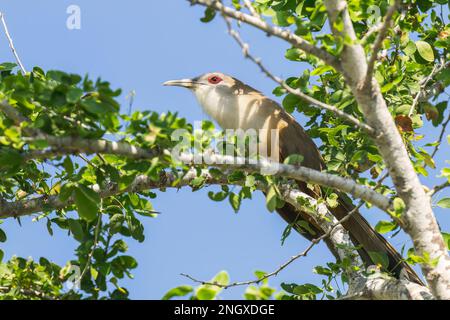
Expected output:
(321, 70)
(76, 229)
(379, 258)
(206, 293)
(94, 273)
(74, 95)
(385, 226)
(235, 201)
(87, 201)
(2, 236)
(399, 206)
(209, 292)
(410, 48)
(219, 196)
(294, 159)
(425, 50)
(271, 199)
(307, 289)
(444, 203)
(332, 200)
(7, 66)
(446, 237)
(209, 15)
(180, 291)
(221, 278)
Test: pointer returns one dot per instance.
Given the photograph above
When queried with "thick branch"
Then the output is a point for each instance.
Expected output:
(226, 162)
(418, 219)
(297, 173)
(380, 287)
(73, 145)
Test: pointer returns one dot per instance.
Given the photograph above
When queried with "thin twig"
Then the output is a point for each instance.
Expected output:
(285, 34)
(422, 88)
(438, 188)
(371, 31)
(441, 136)
(250, 8)
(10, 41)
(446, 184)
(313, 243)
(245, 50)
(379, 42)
(94, 245)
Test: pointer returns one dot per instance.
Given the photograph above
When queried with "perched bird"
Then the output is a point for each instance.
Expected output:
(235, 105)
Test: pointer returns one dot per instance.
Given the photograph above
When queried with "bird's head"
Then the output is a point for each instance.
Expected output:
(212, 87)
(217, 93)
(213, 90)
(207, 83)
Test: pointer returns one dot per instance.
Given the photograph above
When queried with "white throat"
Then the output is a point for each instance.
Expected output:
(230, 111)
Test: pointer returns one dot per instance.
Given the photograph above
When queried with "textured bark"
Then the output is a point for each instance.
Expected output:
(379, 287)
(418, 220)
(26, 207)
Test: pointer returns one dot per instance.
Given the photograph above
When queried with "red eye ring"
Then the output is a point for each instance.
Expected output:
(214, 79)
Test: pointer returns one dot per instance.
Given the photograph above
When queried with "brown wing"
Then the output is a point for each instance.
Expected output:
(294, 140)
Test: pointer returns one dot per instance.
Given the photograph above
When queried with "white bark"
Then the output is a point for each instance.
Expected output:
(380, 287)
(418, 220)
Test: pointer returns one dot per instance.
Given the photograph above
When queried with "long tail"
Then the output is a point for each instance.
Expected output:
(361, 233)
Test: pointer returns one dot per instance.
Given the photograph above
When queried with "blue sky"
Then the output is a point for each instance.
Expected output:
(137, 45)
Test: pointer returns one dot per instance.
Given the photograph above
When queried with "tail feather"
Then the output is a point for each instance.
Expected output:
(361, 233)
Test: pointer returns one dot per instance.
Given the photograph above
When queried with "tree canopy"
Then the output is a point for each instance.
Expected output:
(377, 72)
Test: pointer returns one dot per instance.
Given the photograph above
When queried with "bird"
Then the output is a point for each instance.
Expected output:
(235, 105)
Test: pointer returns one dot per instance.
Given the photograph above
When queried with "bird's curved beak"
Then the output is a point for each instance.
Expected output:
(186, 83)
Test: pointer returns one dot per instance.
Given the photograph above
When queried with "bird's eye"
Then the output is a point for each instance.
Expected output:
(214, 79)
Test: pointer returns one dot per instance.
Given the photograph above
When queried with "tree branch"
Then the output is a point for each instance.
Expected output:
(225, 162)
(334, 229)
(418, 219)
(379, 287)
(245, 50)
(424, 94)
(73, 145)
(286, 35)
(10, 41)
(441, 136)
(379, 41)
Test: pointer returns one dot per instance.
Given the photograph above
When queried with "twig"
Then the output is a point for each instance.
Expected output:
(422, 88)
(293, 258)
(94, 245)
(245, 50)
(284, 34)
(250, 8)
(313, 243)
(379, 41)
(438, 188)
(371, 31)
(11, 44)
(441, 136)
